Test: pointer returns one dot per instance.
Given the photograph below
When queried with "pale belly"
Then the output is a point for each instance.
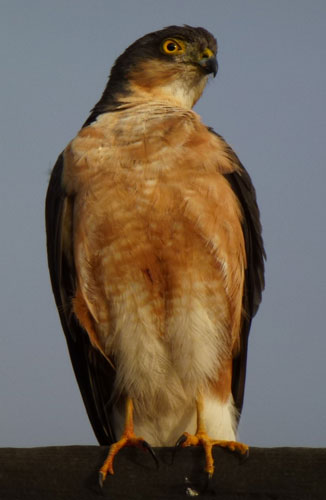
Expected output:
(162, 311)
(167, 330)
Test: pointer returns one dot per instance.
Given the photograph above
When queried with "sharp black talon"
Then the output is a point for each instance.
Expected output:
(176, 446)
(208, 487)
(150, 449)
(181, 440)
(244, 457)
(208, 481)
(100, 479)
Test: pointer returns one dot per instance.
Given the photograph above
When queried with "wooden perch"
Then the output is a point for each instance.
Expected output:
(71, 472)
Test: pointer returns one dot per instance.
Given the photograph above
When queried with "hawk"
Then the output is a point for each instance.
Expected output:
(156, 255)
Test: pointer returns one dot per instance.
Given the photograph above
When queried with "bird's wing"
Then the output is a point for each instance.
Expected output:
(94, 373)
(242, 186)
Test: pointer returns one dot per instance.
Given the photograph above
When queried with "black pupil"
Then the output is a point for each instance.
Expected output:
(171, 46)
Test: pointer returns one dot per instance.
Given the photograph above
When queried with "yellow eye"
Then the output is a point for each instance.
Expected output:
(171, 46)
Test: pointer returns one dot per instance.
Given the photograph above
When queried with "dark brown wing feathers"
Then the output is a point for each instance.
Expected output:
(254, 276)
(94, 374)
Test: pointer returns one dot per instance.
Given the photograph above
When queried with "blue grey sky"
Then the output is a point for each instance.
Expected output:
(268, 101)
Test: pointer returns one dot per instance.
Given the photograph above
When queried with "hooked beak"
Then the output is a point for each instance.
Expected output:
(209, 65)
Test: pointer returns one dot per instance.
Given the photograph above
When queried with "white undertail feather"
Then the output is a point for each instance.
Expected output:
(166, 428)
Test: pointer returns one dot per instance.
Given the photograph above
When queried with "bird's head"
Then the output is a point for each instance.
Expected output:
(172, 64)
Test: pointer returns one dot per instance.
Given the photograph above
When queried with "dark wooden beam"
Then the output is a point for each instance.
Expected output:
(71, 472)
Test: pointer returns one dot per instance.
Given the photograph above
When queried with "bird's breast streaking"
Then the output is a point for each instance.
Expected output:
(158, 248)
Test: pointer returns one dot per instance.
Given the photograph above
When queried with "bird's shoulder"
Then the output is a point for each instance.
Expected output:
(149, 139)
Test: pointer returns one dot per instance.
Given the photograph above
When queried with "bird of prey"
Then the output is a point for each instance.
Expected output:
(156, 255)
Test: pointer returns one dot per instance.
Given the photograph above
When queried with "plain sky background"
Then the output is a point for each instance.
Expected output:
(268, 101)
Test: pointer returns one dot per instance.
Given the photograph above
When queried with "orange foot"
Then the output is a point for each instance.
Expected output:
(202, 439)
(128, 438)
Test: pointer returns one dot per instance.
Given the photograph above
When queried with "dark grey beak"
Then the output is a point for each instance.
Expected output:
(209, 65)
